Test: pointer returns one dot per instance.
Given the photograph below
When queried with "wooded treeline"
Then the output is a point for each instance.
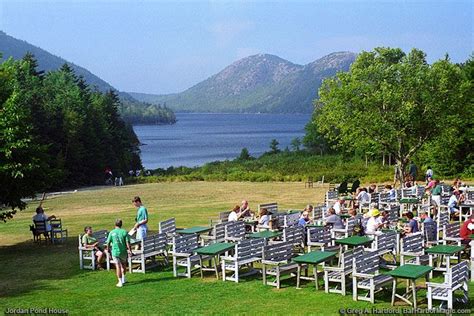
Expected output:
(56, 132)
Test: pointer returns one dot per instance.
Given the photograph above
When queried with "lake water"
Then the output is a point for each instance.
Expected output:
(199, 138)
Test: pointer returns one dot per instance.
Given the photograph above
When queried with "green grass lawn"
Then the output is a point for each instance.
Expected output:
(36, 276)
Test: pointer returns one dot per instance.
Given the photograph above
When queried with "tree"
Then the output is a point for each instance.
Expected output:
(274, 146)
(20, 163)
(390, 101)
(244, 154)
(295, 144)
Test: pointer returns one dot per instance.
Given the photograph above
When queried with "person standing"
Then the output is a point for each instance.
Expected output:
(120, 241)
(413, 171)
(141, 219)
(429, 174)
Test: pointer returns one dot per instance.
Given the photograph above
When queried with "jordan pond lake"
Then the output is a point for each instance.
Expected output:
(198, 138)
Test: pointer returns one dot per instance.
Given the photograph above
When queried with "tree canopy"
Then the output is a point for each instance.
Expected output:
(392, 102)
(55, 133)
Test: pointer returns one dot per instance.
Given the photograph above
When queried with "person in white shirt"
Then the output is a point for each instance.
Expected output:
(338, 206)
(234, 214)
(363, 196)
(429, 174)
(374, 223)
(454, 202)
(41, 216)
(264, 218)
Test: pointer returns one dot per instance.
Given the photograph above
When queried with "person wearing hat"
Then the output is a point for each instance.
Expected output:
(374, 223)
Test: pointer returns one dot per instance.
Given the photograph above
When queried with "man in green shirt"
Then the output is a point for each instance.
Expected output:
(120, 241)
(141, 220)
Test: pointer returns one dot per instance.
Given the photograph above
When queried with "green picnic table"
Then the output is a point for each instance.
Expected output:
(354, 241)
(348, 198)
(194, 230)
(312, 258)
(213, 251)
(410, 272)
(344, 216)
(445, 251)
(267, 234)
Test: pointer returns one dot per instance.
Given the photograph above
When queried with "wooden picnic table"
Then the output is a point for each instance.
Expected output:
(410, 272)
(312, 258)
(213, 251)
(444, 250)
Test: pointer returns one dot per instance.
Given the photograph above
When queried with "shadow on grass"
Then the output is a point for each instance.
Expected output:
(26, 266)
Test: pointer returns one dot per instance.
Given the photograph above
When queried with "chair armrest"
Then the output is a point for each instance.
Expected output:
(180, 254)
(438, 285)
(228, 258)
(363, 275)
(334, 269)
(273, 263)
(339, 230)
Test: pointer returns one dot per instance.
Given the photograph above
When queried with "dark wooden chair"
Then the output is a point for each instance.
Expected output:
(309, 183)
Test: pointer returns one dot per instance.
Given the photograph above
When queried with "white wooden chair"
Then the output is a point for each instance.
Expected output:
(451, 234)
(151, 247)
(58, 232)
(345, 232)
(246, 253)
(339, 274)
(386, 244)
(234, 231)
(217, 234)
(183, 254)
(320, 237)
(454, 280)
(87, 254)
(168, 227)
(412, 247)
(366, 276)
(276, 261)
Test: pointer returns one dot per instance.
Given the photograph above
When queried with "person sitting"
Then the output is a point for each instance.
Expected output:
(430, 184)
(408, 182)
(374, 223)
(429, 174)
(392, 193)
(372, 188)
(304, 219)
(454, 202)
(309, 208)
(264, 217)
(384, 219)
(245, 209)
(467, 229)
(339, 206)
(333, 219)
(41, 216)
(234, 214)
(425, 217)
(90, 242)
(412, 225)
(363, 197)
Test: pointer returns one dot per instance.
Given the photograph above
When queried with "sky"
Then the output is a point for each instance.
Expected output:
(168, 46)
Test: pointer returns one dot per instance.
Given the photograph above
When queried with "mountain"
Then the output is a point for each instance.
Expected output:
(259, 83)
(134, 111)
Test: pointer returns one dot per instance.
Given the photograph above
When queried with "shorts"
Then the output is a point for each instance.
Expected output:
(141, 232)
(118, 260)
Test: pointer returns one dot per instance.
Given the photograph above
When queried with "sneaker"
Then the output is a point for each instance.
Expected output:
(120, 284)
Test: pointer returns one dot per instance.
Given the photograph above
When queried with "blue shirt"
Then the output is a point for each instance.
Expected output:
(413, 225)
(302, 222)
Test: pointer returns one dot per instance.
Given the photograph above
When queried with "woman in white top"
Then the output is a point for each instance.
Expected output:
(374, 223)
(264, 218)
(234, 214)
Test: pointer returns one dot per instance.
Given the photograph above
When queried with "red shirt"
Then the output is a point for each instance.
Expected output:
(466, 232)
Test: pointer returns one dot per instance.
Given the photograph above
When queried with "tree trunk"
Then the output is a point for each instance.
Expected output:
(383, 159)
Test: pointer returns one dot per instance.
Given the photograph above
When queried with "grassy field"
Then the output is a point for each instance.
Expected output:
(47, 276)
